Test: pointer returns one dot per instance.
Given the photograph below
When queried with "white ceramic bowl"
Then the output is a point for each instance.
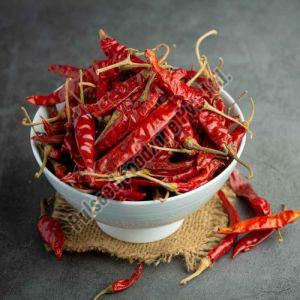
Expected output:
(144, 221)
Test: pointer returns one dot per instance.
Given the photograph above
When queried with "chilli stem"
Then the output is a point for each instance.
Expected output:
(204, 264)
(233, 154)
(46, 153)
(197, 47)
(207, 106)
(192, 80)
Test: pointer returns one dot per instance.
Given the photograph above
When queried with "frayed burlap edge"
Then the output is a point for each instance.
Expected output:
(191, 242)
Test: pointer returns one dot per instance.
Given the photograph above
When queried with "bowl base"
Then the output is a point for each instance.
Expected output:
(142, 235)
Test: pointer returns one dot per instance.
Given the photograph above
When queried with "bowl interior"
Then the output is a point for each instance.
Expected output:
(42, 112)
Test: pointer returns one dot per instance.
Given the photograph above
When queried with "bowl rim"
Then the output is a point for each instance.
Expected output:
(69, 188)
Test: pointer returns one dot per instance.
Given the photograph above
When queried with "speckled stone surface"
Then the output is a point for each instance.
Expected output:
(260, 42)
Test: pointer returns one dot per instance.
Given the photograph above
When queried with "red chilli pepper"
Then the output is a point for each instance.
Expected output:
(138, 138)
(251, 240)
(51, 233)
(64, 70)
(205, 175)
(167, 168)
(55, 153)
(237, 135)
(112, 191)
(243, 188)
(60, 169)
(121, 284)
(225, 245)
(127, 116)
(114, 50)
(58, 96)
(263, 223)
(127, 119)
(184, 175)
(182, 127)
(195, 97)
(116, 96)
(84, 129)
(215, 128)
(53, 128)
(49, 139)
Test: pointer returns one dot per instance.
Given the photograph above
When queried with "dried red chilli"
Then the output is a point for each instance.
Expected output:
(224, 246)
(167, 168)
(114, 50)
(250, 241)
(184, 128)
(52, 111)
(195, 97)
(121, 285)
(55, 153)
(203, 164)
(117, 96)
(59, 96)
(263, 223)
(54, 127)
(64, 70)
(243, 188)
(60, 169)
(126, 117)
(70, 146)
(84, 129)
(134, 142)
(183, 175)
(51, 232)
(215, 128)
(237, 135)
(203, 177)
(138, 183)
(49, 139)
(112, 191)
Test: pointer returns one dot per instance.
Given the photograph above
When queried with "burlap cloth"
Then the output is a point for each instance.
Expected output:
(191, 242)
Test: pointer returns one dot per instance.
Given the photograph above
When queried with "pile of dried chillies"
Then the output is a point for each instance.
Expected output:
(134, 127)
(257, 229)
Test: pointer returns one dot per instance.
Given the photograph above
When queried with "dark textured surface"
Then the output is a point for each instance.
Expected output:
(260, 42)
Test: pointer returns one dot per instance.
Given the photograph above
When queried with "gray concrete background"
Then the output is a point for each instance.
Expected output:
(260, 42)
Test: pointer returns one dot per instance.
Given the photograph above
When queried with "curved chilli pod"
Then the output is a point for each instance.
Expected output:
(64, 70)
(116, 96)
(114, 50)
(243, 188)
(125, 118)
(195, 97)
(121, 285)
(58, 96)
(223, 247)
(138, 138)
(263, 223)
(203, 177)
(84, 129)
(51, 231)
(113, 191)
